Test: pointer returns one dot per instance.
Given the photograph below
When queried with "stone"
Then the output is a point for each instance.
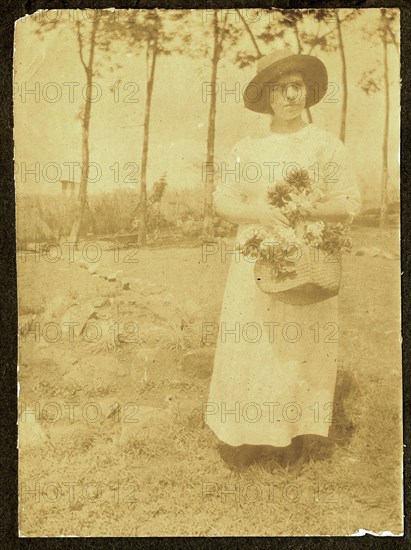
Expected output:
(126, 284)
(102, 302)
(96, 370)
(199, 362)
(368, 251)
(93, 268)
(57, 307)
(75, 318)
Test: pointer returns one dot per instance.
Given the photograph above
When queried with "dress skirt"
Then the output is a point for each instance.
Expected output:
(275, 365)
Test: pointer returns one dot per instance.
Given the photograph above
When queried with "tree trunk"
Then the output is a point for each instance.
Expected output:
(344, 79)
(85, 150)
(299, 50)
(384, 178)
(208, 228)
(142, 228)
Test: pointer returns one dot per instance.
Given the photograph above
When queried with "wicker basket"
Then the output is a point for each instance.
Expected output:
(317, 277)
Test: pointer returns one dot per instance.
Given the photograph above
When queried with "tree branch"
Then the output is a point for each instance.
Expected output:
(316, 38)
(80, 43)
(221, 33)
(394, 40)
(297, 38)
(330, 31)
(247, 28)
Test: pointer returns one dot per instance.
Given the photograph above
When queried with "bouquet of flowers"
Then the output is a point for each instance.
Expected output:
(294, 197)
(278, 246)
(284, 260)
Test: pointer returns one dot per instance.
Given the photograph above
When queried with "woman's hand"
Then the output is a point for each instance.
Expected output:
(271, 215)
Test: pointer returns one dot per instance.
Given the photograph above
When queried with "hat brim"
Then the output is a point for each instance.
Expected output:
(256, 93)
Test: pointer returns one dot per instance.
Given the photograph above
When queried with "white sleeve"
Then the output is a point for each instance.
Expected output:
(230, 198)
(340, 180)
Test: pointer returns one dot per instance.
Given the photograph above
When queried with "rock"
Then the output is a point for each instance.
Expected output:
(93, 268)
(390, 255)
(169, 298)
(102, 302)
(149, 422)
(47, 355)
(199, 362)
(97, 370)
(155, 288)
(66, 433)
(77, 316)
(57, 307)
(112, 277)
(126, 284)
(368, 251)
(108, 292)
(373, 251)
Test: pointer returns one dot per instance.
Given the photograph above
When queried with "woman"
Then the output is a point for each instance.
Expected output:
(275, 364)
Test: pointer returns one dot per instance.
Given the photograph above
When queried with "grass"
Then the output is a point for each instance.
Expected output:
(176, 482)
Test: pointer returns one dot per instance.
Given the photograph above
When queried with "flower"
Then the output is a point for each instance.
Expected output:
(279, 195)
(316, 229)
(300, 179)
(253, 234)
(251, 250)
(298, 207)
(287, 233)
(275, 245)
(327, 236)
(294, 195)
(290, 209)
(336, 234)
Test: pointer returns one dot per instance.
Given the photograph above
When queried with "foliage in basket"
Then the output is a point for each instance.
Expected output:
(294, 197)
(279, 246)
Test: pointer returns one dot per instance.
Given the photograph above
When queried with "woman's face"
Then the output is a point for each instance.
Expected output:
(288, 95)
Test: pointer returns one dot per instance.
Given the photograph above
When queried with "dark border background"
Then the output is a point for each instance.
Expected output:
(10, 12)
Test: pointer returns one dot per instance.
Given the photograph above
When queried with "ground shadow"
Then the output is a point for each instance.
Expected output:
(343, 428)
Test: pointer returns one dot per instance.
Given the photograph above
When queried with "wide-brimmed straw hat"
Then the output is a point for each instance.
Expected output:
(270, 67)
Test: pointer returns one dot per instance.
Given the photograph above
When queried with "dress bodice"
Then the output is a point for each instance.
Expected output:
(255, 165)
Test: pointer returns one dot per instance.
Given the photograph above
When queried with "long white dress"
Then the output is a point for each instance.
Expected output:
(275, 364)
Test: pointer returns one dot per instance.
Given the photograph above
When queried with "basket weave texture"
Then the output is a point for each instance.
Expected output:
(317, 276)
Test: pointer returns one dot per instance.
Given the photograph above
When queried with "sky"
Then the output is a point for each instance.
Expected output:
(48, 134)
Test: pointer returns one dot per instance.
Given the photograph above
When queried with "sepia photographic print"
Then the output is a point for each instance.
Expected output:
(209, 278)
